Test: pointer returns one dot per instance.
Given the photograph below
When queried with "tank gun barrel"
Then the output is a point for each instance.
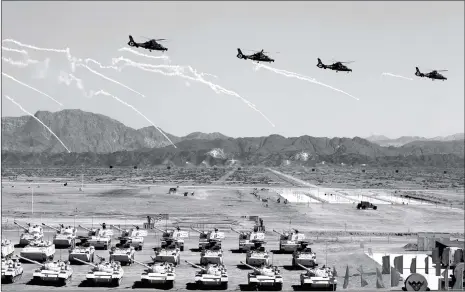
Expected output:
(56, 229)
(135, 225)
(86, 263)
(29, 260)
(278, 232)
(116, 227)
(159, 229)
(142, 264)
(90, 230)
(303, 267)
(196, 266)
(195, 229)
(238, 232)
(252, 267)
(100, 258)
(21, 226)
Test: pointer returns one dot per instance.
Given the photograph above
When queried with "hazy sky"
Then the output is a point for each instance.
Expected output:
(391, 37)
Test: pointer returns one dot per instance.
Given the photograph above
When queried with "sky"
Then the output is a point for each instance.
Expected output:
(380, 37)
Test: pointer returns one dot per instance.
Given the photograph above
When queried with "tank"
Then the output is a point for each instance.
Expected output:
(212, 275)
(7, 249)
(176, 235)
(257, 256)
(247, 240)
(41, 250)
(304, 256)
(104, 273)
(158, 274)
(12, 270)
(123, 255)
(102, 237)
(64, 236)
(131, 237)
(267, 276)
(212, 254)
(85, 254)
(31, 233)
(57, 272)
(290, 241)
(170, 253)
(206, 237)
(318, 278)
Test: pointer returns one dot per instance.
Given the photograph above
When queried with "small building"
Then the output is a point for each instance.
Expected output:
(426, 241)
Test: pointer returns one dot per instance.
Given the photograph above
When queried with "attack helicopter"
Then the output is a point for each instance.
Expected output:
(148, 45)
(431, 75)
(338, 66)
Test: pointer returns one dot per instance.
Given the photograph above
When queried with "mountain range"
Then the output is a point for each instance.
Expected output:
(97, 140)
(385, 141)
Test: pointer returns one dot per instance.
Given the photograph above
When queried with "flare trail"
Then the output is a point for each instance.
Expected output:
(300, 77)
(15, 50)
(36, 90)
(17, 104)
(398, 76)
(19, 64)
(101, 92)
(179, 71)
(73, 61)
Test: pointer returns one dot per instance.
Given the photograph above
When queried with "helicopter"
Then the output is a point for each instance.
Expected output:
(149, 45)
(338, 66)
(432, 75)
(258, 56)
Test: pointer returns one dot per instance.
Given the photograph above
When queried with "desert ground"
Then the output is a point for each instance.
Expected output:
(324, 210)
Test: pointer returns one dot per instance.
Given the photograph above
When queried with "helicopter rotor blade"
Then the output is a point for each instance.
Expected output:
(348, 62)
(441, 70)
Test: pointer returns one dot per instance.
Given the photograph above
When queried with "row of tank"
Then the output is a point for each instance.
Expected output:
(162, 270)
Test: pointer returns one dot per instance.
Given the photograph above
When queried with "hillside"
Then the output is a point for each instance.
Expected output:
(398, 142)
(100, 141)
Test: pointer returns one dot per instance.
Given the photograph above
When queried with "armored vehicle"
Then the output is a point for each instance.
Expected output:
(64, 237)
(12, 270)
(169, 253)
(131, 237)
(102, 239)
(41, 251)
(366, 205)
(57, 272)
(7, 249)
(211, 236)
(290, 241)
(85, 254)
(173, 235)
(318, 278)
(212, 254)
(247, 240)
(257, 256)
(104, 273)
(212, 275)
(304, 256)
(267, 276)
(123, 255)
(158, 274)
(31, 233)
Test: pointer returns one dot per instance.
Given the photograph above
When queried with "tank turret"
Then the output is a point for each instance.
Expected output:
(7, 249)
(109, 273)
(211, 275)
(158, 274)
(265, 276)
(57, 272)
(31, 233)
(12, 270)
(318, 278)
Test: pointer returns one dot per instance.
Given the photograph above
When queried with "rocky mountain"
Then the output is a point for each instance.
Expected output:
(98, 141)
(82, 132)
(385, 141)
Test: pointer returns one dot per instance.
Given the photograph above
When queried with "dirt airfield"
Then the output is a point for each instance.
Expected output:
(337, 228)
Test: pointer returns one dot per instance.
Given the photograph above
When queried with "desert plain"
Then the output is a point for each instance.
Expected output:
(321, 203)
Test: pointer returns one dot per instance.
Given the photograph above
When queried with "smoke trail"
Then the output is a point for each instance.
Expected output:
(19, 64)
(101, 92)
(179, 71)
(109, 79)
(73, 61)
(301, 77)
(17, 104)
(36, 90)
(398, 76)
(15, 50)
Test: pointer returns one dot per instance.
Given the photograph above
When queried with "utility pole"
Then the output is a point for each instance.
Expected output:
(32, 201)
